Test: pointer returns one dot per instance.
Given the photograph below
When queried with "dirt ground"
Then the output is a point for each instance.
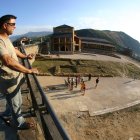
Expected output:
(119, 125)
(75, 110)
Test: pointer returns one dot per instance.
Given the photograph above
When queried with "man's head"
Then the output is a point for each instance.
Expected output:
(7, 23)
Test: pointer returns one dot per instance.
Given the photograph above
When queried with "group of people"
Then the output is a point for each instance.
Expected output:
(11, 74)
(71, 81)
(83, 85)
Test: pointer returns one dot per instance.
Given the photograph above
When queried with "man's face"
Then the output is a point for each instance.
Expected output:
(10, 26)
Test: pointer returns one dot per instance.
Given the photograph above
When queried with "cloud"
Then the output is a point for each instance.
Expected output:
(125, 23)
(91, 22)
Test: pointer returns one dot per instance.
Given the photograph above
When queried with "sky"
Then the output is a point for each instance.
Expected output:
(43, 15)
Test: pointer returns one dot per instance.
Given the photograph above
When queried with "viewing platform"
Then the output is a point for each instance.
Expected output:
(11, 133)
(112, 94)
(37, 109)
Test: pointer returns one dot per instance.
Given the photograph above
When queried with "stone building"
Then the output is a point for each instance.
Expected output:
(97, 45)
(64, 40)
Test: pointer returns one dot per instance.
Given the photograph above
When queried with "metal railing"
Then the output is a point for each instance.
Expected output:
(48, 120)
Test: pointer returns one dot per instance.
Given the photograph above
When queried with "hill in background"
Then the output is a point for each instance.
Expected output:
(121, 40)
(31, 35)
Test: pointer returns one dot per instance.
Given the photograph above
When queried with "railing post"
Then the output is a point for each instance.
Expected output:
(50, 124)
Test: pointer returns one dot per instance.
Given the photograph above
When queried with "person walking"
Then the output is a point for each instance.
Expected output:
(11, 72)
(89, 77)
(68, 79)
(83, 87)
(71, 84)
(97, 81)
(76, 81)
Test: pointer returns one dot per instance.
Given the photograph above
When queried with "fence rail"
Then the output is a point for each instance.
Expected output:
(48, 120)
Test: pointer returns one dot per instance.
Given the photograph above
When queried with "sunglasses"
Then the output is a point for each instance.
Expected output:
(11, 24)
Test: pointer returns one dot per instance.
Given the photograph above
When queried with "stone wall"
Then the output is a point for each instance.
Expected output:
(31, 49)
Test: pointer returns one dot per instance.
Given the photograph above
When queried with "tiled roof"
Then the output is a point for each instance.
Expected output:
(63, 26)
(61, 35)
(94, 39)
(97, 43)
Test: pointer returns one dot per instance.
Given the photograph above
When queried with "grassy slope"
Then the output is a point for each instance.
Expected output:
(102, 68)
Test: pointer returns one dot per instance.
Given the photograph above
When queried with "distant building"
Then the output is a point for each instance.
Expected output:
(64, 40)
(96, 45)
(44, 48)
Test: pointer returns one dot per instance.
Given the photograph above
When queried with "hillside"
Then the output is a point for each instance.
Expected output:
(64, 67)
(31, 35)
(119, 39)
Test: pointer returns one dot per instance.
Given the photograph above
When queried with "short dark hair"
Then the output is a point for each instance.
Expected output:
(6, 18)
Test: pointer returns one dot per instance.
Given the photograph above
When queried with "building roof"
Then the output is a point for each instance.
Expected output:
(91, 39)
(64, 26)
(61, 35)
(97, 43)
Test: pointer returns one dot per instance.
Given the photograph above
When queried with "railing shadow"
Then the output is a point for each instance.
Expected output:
(129, 81)
(2, 96)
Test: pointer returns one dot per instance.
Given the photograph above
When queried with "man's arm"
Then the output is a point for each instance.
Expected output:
(15, 65)
(21, 55)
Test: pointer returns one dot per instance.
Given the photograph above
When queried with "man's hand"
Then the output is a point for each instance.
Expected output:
(34, 70)
(30, 56)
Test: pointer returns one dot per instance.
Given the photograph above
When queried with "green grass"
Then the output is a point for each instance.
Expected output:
(102, 68)
(47, 66)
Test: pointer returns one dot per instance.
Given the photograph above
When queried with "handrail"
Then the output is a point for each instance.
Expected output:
(46, 103)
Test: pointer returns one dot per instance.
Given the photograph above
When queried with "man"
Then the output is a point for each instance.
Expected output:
(11, 71)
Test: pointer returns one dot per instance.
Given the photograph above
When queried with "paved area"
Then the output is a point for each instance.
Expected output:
(111, 94)
(92, 56)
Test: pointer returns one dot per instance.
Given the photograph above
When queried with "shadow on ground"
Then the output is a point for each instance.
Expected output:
(7, 132)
